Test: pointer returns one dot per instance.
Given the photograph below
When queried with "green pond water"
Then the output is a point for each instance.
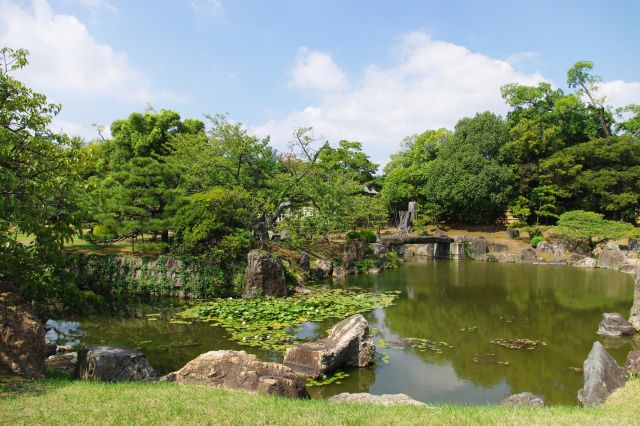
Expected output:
(465, 304)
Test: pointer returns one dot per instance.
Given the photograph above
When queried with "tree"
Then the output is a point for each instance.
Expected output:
(585, 226)
(580, 77)
(466, 181)
(40, 195)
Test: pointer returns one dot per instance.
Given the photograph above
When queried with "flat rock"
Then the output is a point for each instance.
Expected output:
(613, 325)
(22, 343)
(367, 398)
(524, 399)
(112, 364)
(633, 362)
(586, 262)
(348, 345)
(63, 362)
(602, 375)
(239, 370)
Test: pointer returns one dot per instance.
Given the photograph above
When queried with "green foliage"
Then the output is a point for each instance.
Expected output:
(40, 192)
(536, 240)
(368, 234)
(271, 323)
(152, 276)
(219, 216)
(364, 265)
(585, 226)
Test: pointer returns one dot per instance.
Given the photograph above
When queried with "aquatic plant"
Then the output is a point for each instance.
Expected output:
(516, 343)
(271, 323)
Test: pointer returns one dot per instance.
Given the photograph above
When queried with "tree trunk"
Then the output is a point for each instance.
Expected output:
(165, 237)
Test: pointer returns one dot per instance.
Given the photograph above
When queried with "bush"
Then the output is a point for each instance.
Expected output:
(536, 240)
(369, 234)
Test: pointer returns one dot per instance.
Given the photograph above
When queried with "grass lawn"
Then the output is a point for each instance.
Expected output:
(68, 402)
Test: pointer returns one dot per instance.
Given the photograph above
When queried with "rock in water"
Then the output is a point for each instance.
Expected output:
(633, 362)
(265, 275)
(524, 399)
(112, 364)
(348, 344)
(611, 257)
(587, 262)
(614, 324)
(367, 398)
(602, 375)
(239, 370)
(634, 318)
(22, 344)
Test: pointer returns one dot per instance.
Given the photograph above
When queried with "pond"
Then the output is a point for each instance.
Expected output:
(464, 305)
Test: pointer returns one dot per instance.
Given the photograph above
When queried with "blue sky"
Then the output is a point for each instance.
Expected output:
(373, 71)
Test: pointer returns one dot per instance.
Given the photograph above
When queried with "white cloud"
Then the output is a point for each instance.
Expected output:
(65, 60)
(316, 70)
(210, 8)
(96, 4)
(432, 85)
(619, 93)
(520, 58)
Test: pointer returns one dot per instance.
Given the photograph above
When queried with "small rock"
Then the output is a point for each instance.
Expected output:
(305, 261)
(614, 324)
(524, 399)
(528, 255)
(112, 364)
(374, 271)
(602, 375)
(339, 272)
(587, 262)
(557, 262)
(65, 362)
(544, 247)
(367, 398)
(239, 370)
(513, 233)
(633, 362)
(348, 344)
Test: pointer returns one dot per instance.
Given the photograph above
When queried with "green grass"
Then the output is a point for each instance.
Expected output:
(67, 402)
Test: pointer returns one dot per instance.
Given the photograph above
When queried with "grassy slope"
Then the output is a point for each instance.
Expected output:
(63, 402)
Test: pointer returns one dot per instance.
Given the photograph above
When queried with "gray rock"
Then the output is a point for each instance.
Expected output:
(634, 244)
(528, 255)
(611, 258)
(239, 370)
(112, 364)
(479, 246)
(367, 398)
(22, 344)
(613, 325)
(339, 272)
(513, 233)
(64, 362)
(379, 248)
(587, 262)
(602, 375)
(633, 362)
(575, 258)
(305, 261)
(498, 248)
(348, 345)
(544, 247)
(524, 399)
(265, 276)
(557, 262)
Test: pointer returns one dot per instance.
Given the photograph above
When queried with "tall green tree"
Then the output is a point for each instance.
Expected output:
(40, 195)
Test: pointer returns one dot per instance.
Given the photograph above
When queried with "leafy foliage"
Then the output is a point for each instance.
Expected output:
(586, 226)
(271, 323)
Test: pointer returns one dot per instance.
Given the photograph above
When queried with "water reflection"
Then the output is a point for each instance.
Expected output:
(465, 304)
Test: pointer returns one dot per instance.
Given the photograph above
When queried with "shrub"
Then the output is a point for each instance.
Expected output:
(353, 235)
(369, 234)
(536, 240)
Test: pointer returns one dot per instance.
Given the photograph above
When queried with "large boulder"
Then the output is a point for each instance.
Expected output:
(348, 344)
(602, 375)
(354, 251)
(112, 364)
(239, 370)
(265, 275)
(367, 398)
(524, 399)
(613, 325)
(634, 318)
(479, 246)
(633, 362)
(22, 344)
(611, 257)
(528, 255)
(305, 261)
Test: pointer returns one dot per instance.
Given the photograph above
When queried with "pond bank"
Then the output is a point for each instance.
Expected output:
(48, 402)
